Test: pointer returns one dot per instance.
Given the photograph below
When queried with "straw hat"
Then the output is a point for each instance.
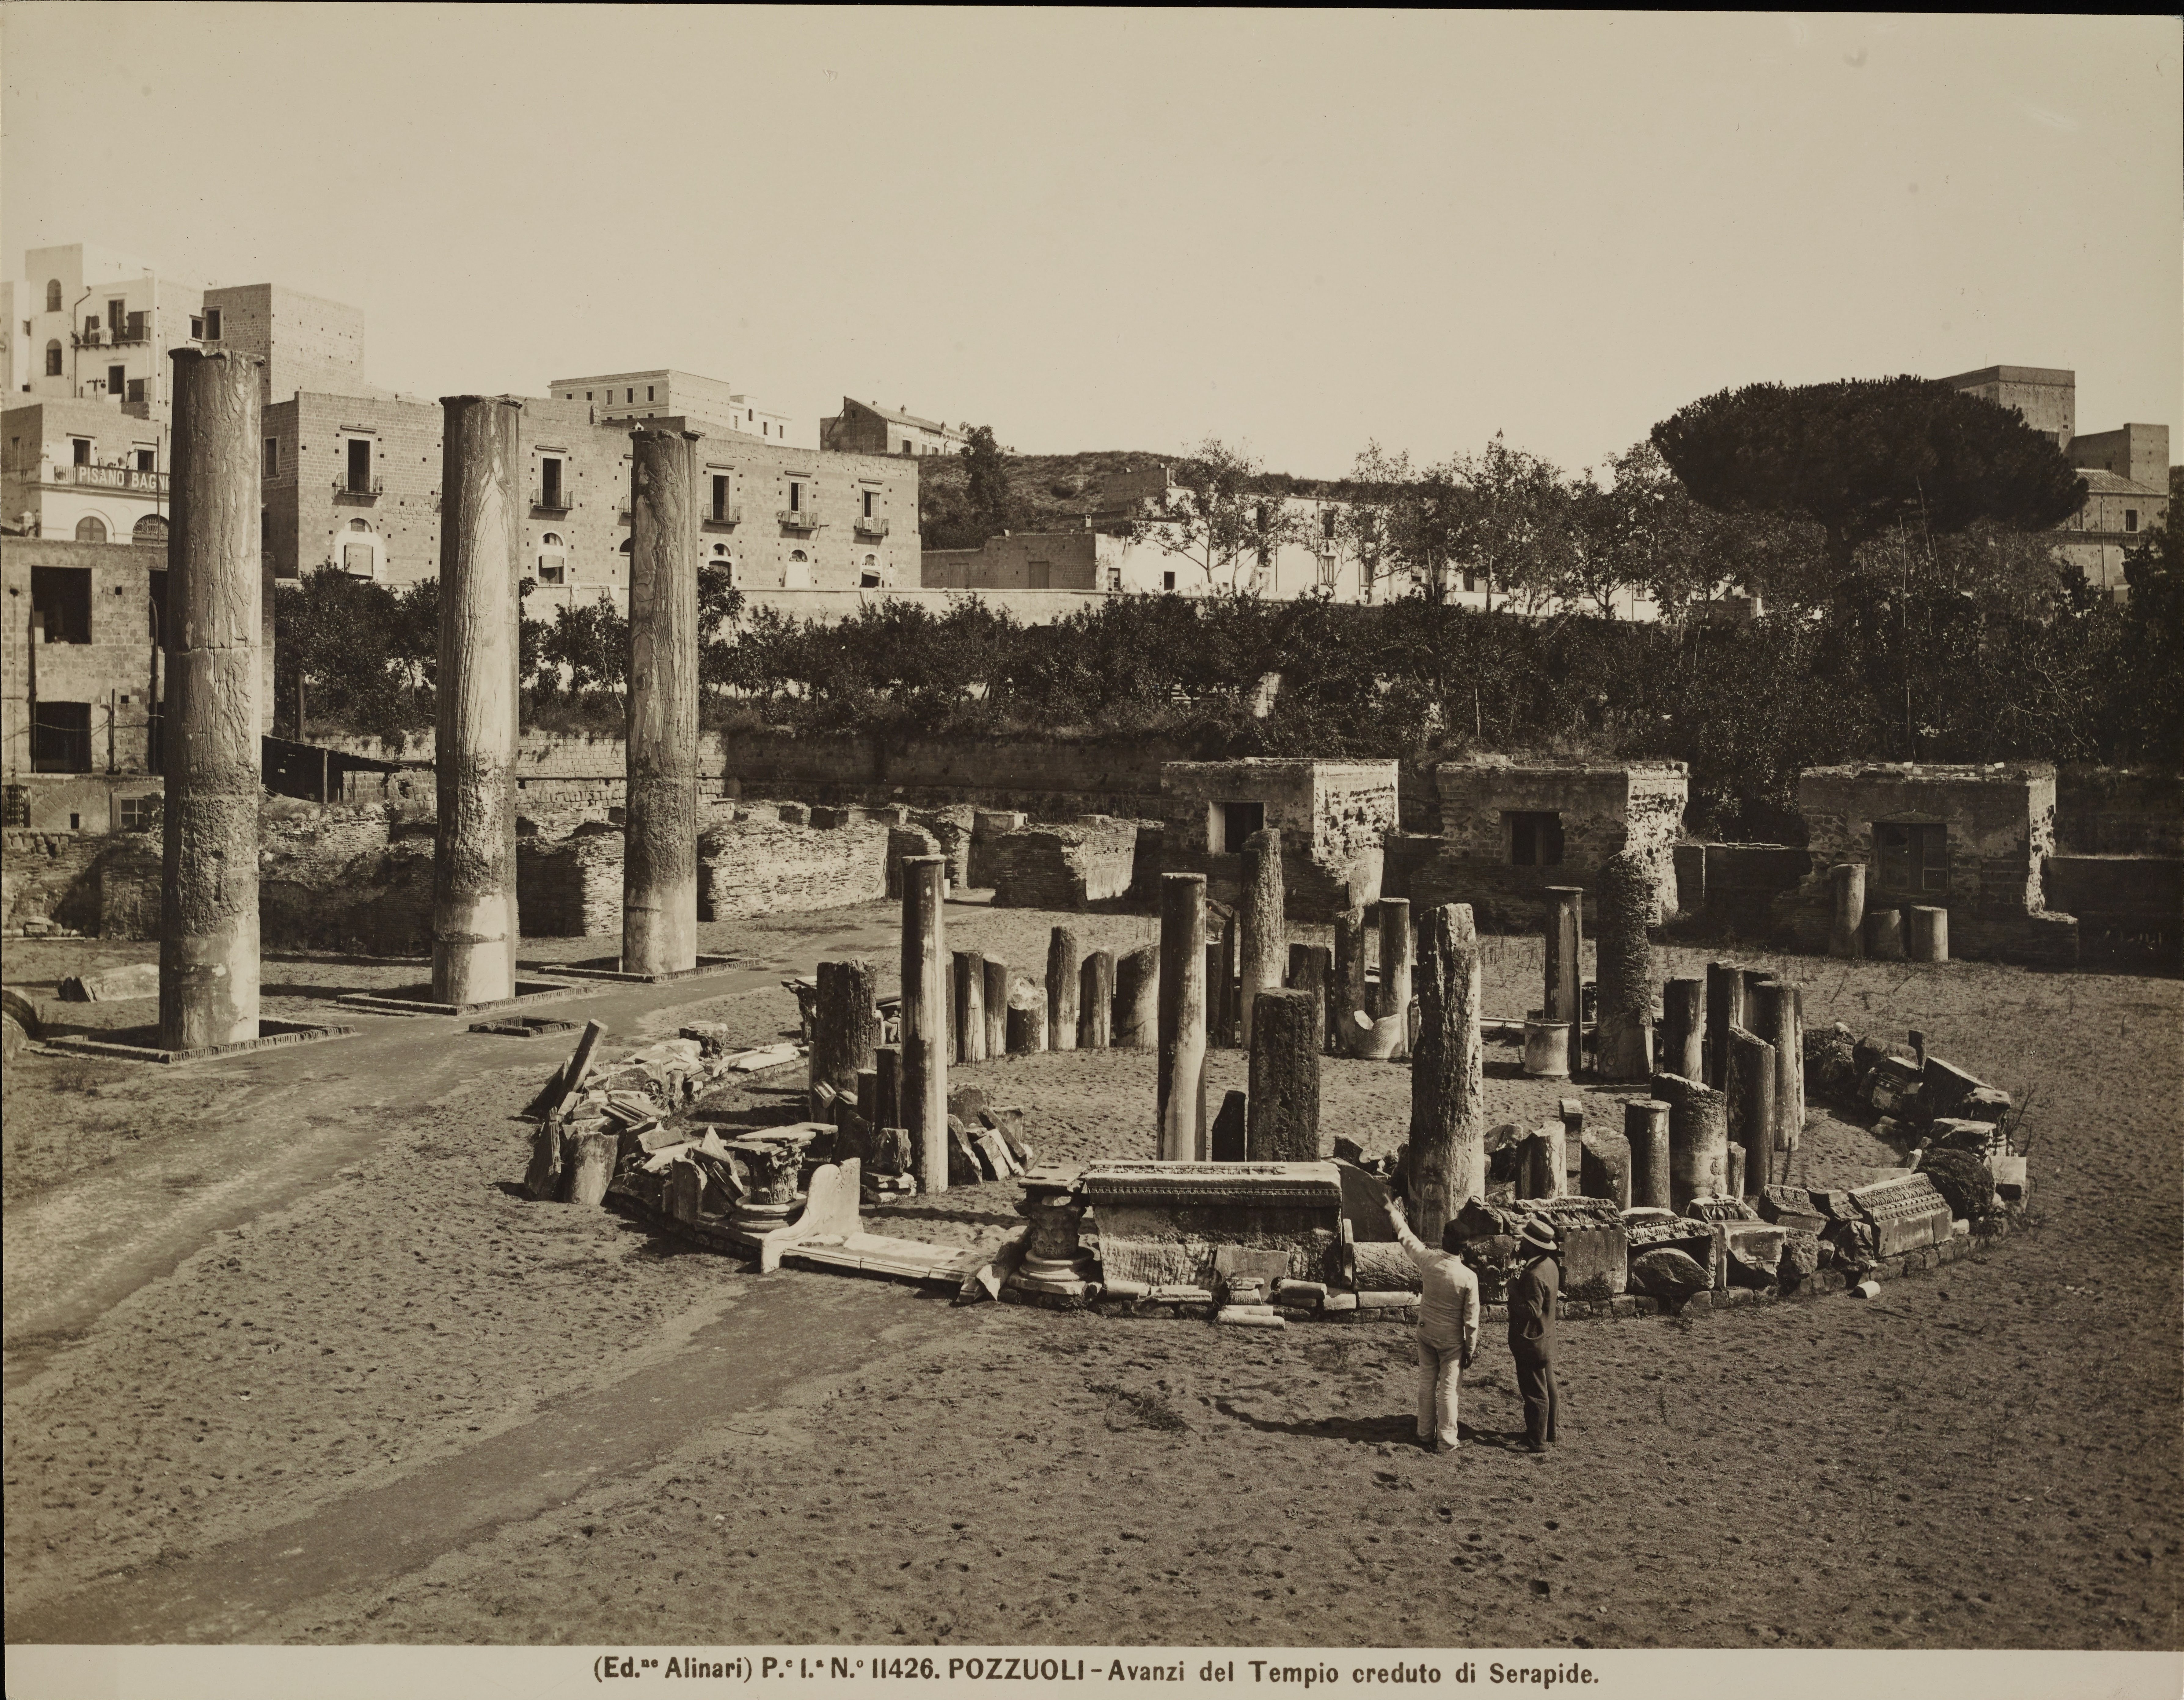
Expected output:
(1537, 1236)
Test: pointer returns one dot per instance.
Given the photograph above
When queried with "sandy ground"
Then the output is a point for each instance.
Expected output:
(1986, 1456)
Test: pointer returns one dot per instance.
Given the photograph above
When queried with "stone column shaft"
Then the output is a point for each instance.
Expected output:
(1282, 1114)
(1062, 969)
(1345, 992)
(1446, 1161)
(1095, 1001)
(1183, 989)
(1848, 880)
(968, 1025)
(997, 1008)
(1625, 955)
(925, 991)
(1312, 970)
(659, 856)
(1698, 1139)
(1929, 934)
(1136, 1023)
(845, 1026)
(1683, 1036)
(1565, 953)
(1751, 1105)
(213, 646)
(1725, 1009)
(475, 699)
(1646, 1125)
(1263, 929)
(1395, 946)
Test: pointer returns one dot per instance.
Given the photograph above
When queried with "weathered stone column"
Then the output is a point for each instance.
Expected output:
(1777, 1016)
(1263, 943)
(924, 1019)
(1849, 880)
(1182, 1079)
(1698, 1139)
(1884, 935)
(1928, 936)
(1062, 971)
(1683, 1036)
(887, 1066)
(1282, 1114)
(474, 697)
(1751, 1105)
(213, 639)
(1646, 1125)
(1626, 968)
(1445, 1162)
(968, 1027)
(1725, 1009)
(1223, 1002)
(1136, 1024)
(1095, 1001)
(844, 1028)
(660, 856)
(1604, 1168)
(1026, 1021)
(1396, 968)
(1565, 942)
(996, 1002)
(1311, 969)
(1345, 994)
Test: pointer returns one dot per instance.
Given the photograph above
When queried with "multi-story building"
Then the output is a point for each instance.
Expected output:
(354, 483)
(716, 407)
(2126, 471)
(867, 428)
(83, 470)
(87, 325)
(306, 343)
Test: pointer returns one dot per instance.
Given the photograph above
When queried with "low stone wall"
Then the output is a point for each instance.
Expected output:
(47, 880)
(570, 887)
(1730, 889)
(1073, 866)
(761, 866)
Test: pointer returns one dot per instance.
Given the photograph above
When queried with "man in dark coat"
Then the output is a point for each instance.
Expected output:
(1534, 1294)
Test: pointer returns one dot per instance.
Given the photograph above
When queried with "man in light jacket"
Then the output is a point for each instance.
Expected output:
(1448, 1327)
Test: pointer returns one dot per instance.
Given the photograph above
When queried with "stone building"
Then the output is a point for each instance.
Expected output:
(1510, 829)
(1333, 816)
(305, 341)
(710, 404)
(1972, 840)
(867, 428)
(84, 323)
(86, 470)
(81, 678)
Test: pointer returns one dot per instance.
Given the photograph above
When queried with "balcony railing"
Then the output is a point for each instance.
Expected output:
(722, 518)
(869, 526)
(348, 490)
(552, 507)
(113, 478)
(798, 520)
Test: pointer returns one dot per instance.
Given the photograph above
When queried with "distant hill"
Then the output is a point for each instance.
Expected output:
(1047, 492)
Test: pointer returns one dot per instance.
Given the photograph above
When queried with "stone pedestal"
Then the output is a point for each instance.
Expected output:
(1054, 1261)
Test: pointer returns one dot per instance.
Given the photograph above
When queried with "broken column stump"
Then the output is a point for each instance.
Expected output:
(968, 988)
(1604, 1167)
(1928, 936)
(994, 1001)
(1311, 970)
(1282, 1122)
(1778, 1015)
(1683, 1028)
(1136, 1024)
(1725, 1009)
(1646, 1126)
(1346, 992)
(1095, 1001)
(845, 1027)
(1698, 1139)
(1263, 928)
(1231, 1136)
(1445, 1162)
(1750, 1095)
(1182, 992)
(1061, 988)
(886, 1071)
(1565, 943)
(1884, 936)
(1396, 946)
(1625, 954)
(213, 641)
(925, 992)
(587, 1164)
(1848, 880)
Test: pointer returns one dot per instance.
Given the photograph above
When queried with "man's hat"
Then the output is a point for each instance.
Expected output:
(1538, 1236)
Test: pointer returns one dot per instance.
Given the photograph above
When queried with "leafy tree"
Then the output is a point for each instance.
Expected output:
(987, 483)
(1860, 456)
(1365, 523)
(1219, 518)
(589, 644)
(336, 660)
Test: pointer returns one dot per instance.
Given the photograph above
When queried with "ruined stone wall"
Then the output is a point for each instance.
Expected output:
(1072, 867)
(760, 864)
(47, 881)
(1334, 818)
(2118, 812)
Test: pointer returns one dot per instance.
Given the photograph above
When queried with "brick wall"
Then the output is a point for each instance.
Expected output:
(1072, 867)
(117, 674)
(48, 879)
(760, 865)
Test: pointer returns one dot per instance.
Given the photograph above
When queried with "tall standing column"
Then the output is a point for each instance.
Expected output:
(1346, 992)
(209, 885)
(1750, 1091)
(925, 988)
(1062, 970)
(1565, 942)
(1095, 1001)
(1445, 1162)
(1221, 1002)
(1396, 968)
(1626, 968)
(997, 1008)
(660, 858)
(1136, 1022)
(1848, 880)
(1725, 1009)
(1183, 989)
(1311, 970)
(475, 695)
(968, 1025)
(1777, 1016)
(1264, 947)
(1683, 1036)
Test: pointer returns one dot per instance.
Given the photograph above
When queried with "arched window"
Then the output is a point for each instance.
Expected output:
(91, 529)
(627, 545)
(52, 295)
(720, 548)
(551, 540)
(798, 554)
(150, 529)
(359, 525)
(52, 359)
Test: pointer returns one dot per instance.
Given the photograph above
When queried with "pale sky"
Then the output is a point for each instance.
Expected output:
(1133, 229)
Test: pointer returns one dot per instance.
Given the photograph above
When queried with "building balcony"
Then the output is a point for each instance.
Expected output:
(346, 490)
(721, 519)
(798, 520)
(869, 526)
(112, 478)
(555, 508)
